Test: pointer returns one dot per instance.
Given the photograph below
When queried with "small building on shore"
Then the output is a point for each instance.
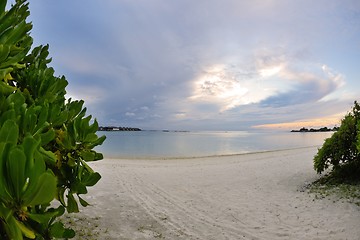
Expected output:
(112, 128)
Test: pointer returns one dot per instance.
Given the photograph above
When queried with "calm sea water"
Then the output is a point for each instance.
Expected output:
(158, 144)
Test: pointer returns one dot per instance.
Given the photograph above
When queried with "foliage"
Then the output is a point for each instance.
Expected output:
(342, 150)
(331, 187)
(45, 140)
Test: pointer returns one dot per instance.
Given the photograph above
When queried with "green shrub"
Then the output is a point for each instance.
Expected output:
(342, 150)
(45, 140)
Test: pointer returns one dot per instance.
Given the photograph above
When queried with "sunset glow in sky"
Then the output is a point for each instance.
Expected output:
(206, 64)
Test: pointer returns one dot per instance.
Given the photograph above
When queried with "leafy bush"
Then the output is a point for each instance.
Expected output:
(45, 140)
(342, 149)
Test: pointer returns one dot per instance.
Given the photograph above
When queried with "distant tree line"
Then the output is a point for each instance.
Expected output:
(111, 128)
(323, 129)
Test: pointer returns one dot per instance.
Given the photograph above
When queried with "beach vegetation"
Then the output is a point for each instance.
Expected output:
(46, 140)
(330, 187)
(341, 152)
(339, 158)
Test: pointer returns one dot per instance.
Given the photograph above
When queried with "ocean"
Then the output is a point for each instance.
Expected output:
(173, 144)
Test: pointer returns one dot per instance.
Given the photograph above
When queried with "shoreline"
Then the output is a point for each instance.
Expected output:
(204, 156)
(248, 196)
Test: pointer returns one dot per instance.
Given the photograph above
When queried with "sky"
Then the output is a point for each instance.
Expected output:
(206, 64)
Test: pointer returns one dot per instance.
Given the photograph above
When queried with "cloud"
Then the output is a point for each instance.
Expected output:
(227, 87)
(273, 80)
(204, 64)
(145, 108)
(90, 94)
(307, 86)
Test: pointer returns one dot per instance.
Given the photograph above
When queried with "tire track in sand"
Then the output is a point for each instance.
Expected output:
(179, 217)
(152, 207)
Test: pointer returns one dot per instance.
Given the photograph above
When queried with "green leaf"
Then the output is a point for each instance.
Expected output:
(5, 212)
(5, 195)
(98, 156)
(43, 116)
(16, 98)
(9, 132)
(79, 188)
(47, 137)
(48, 156)
(92, 179)
(97, 142)
(2, 7)
(4, 88)
(44, 191)
(74, 108)
(8, 115)
(69, 233)
(16, 171)
(27, 232)
(60, 195)
(4, 52)
(13, 229)
(30, 144)
(83, 202)
(91, 137)
(17, 33)
(58, 230)
(43, 217)
(72, 205)
(87, 155)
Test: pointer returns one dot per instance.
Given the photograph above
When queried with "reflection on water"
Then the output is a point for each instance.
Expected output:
(193, 144)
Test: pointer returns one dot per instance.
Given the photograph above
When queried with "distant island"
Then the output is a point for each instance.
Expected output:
(323, 129)
(118, 129)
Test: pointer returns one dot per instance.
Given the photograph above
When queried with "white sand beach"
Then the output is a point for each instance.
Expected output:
(250, 196)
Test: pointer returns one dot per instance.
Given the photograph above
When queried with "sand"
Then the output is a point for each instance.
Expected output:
(250, 196)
